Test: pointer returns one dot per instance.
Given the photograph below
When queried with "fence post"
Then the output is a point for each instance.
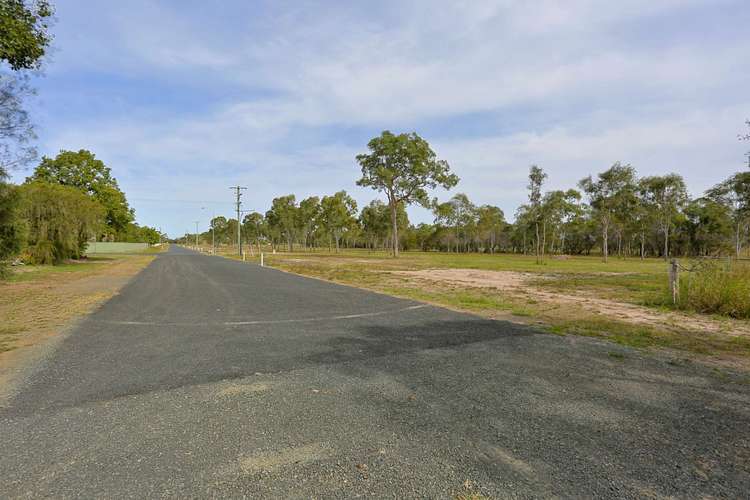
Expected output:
(674, 280)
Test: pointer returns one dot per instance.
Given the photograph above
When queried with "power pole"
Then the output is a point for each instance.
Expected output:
(196, 234)
(238, 195)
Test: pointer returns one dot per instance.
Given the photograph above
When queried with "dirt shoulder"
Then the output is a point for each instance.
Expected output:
(41, 303)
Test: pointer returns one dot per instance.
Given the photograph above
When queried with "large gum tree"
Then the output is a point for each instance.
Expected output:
(403, 167)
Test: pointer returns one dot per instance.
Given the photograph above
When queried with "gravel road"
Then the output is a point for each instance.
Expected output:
(207, 377)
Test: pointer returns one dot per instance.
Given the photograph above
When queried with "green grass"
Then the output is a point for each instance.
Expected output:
(715, 288)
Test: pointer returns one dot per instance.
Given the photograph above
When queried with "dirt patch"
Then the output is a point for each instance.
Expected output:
(237, 389)
(272, 460)
(521, 285)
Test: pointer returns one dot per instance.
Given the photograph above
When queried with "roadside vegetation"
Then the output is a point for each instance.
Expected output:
(70, 199)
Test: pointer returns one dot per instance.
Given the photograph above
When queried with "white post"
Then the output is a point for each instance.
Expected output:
(261, 259)
(243, 255)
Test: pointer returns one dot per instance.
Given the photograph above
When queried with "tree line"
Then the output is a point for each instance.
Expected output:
(612, 212)
(68, 200)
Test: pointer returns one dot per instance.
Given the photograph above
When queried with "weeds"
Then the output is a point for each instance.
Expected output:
(716, 288)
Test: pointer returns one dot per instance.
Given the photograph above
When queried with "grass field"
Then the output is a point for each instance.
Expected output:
(622, 301)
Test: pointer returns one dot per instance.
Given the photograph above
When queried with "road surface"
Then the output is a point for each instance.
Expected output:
(208, 377)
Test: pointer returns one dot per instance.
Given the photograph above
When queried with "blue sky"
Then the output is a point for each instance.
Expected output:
(183, 99)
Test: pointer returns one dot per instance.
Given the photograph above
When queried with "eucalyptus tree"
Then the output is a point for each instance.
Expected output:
(490, 225)
(664, 196)
(24, 40)
(375, 222)
(308, 215)
(709, 226)
(734, 193)
(403, 167)
(338, 215)
(607, 194)
(557, 209)
(253, 226)
(283, 217)
(536, 181)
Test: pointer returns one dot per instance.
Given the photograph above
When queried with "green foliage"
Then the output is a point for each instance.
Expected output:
(12, 229)
(135, 233)
(283, 218)
(716, 288)
(403, 167)
(610, 196)
(83, 171)
(23, 32)
(338, 214)
(60, 221)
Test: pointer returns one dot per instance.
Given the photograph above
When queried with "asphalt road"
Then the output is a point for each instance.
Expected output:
(208, 377)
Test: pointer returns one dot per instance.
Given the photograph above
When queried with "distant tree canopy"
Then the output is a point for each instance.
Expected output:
(24, 35)
(83, 171)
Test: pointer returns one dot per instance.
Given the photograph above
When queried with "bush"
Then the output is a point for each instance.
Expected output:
(60, 220)
(718, 288)
(12, 229)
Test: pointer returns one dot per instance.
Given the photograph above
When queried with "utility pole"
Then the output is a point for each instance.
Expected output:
(196, 234)
(238, 195)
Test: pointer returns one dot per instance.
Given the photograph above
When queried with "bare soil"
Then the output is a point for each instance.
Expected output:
(521, 285)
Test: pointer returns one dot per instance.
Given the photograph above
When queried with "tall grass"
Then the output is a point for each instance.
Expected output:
(717, 288)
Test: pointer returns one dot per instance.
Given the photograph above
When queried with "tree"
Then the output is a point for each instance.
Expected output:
(734, 193)
(23, 32)
(16, 130)
(607, 194)
(375, 221)
(12, 229)
(746, 137)
(253, 226)
(536, 180)
(283, 217)
(558, 208)
(60, 220)
(490, 224)
(338, 214)
(709, 226)
(403, 167)
(83, 171)
(219, 226)
(308, 215)
(664, 196)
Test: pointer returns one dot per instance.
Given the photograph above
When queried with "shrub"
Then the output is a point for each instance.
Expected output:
(718, 288)
(60, 220)
(12, 234)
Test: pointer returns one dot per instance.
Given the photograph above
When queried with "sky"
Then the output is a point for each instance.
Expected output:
(183, 99)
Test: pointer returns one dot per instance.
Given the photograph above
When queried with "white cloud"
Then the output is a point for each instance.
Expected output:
(572, 86)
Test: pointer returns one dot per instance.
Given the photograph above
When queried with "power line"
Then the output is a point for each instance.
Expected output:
(238, 194)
